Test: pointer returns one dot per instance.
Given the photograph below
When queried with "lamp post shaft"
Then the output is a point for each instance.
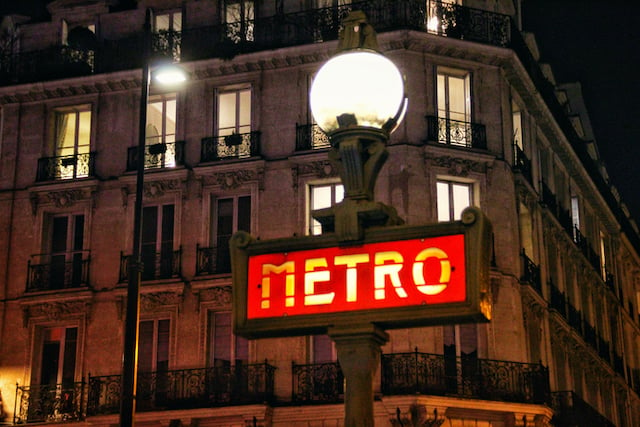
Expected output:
(132, 319)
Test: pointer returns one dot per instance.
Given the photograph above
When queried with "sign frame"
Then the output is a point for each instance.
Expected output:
(475, 227)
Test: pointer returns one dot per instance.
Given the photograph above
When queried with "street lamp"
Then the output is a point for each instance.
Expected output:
(358, 98)
(166, 74)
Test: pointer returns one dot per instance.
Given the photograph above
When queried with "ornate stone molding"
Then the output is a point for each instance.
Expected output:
(155, 189)
(234, 179)
(152, 301)
(53, 311)
(60, 199)
(219, 295)
(457, 166)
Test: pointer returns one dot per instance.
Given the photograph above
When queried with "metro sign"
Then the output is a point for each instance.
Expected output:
(397, 277)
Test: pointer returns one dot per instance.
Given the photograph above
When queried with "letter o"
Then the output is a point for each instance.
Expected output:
(418, 271)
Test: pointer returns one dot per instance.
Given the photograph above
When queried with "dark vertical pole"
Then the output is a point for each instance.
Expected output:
(132, 320)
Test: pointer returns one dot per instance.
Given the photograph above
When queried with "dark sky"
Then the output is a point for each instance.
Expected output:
(596, 43)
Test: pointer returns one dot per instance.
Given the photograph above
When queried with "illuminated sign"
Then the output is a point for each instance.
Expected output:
(370, 276)
(396, 277)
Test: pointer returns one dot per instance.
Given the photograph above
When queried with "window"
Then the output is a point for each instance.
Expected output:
(575, 211)
(157, 242)
(63, 246)
(460, 354)
(516, 118)
(323, 349)
(452, 198)
(322, 196)
(239, 18)
(153, 353)
(234, 123)
(167, 27)
(454, 107)
(58, 356)
(230, 215)
(72, 139)
(225, 348)
(161, 129)
(602, 240)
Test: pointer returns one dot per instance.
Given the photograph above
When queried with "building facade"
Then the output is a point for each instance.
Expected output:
(235, 148)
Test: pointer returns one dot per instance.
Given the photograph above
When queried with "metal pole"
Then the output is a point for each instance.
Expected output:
(132, 320)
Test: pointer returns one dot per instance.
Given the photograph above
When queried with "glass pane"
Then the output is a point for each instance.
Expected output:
(145, 346)
(245, 108)
(69, 362)
(320, 197)
(517, 129)
(232, 12)
(222, 336)
(226, 112)
(84, 132)
(339, 196)
(461, 199)
(67, 135)
(154, 123)
(162, 22)
(162, 354)
(442, 105)
(443, 201)
(322, 349)
(457, 98)
(170, 116)
(59, 234)
(177, 21)
(244, 213)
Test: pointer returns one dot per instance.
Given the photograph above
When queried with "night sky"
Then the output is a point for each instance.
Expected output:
(594, 42)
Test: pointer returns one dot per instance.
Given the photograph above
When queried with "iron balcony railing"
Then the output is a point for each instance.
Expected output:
(587, 250)
(468, 377)
(229, 39)
(155, 265)
(49, 403)
(186, 388)
(317, 382)
(570, 410)
(456, 133)
(557, 300)
(66, 167)
(530, 273)
(48, 272)
(549, 199)
(212, 260)
(157, 156)
(522, 164)
(234, 146)
(310, 137)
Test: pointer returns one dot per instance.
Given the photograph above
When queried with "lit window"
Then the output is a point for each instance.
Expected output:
(452, 198)
(72, 141)
(454, 107)
(322, 196)
(161, 129)
(239, 20)
(58, 356)
(517, 127)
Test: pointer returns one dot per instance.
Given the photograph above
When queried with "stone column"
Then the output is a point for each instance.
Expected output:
(359, 351)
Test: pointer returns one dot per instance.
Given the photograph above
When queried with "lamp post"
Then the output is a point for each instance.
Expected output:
(358, 98)
(169, 75)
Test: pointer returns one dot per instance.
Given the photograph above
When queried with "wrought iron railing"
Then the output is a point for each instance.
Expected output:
(522, 163)
(66, 167)
(317, 382)
(235, 146)
(574, 317)
(212, 260)
(589, 334)
(530, 272)
(571, 410)
(456, 133)
(557, 300)
(310, 137)
(156, 156)
(469, 377)
(549, 199)
(280, 30)
(186, 388)
(47, 272)
(155, 265)
(49, 403)
(587, 250)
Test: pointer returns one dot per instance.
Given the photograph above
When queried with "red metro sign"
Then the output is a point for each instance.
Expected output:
(370, 276)
(397, 277)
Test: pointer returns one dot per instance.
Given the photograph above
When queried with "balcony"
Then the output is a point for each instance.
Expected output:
(212, 260)
(558, 301)
(522, 164)
(456, 133)
(155, 265)
(157, 156)
(530, 273)
(317, 383)
(49, 272)
(66, 167)
(186, 388)
(571, 410)
(235, 146)
(49, 403)
(230, 39)
(310, 137)
(466, 377)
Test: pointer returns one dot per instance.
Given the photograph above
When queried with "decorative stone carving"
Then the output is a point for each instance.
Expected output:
(231, 180)
(220, 295)
(150, 302)
(320, 168)
(157, 189)
(65, 198)
(54, 310)
(457, 166)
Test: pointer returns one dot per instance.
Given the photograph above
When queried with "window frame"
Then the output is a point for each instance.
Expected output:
(234, 342)
(472, 187)
(313, 227)
(238, 127)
